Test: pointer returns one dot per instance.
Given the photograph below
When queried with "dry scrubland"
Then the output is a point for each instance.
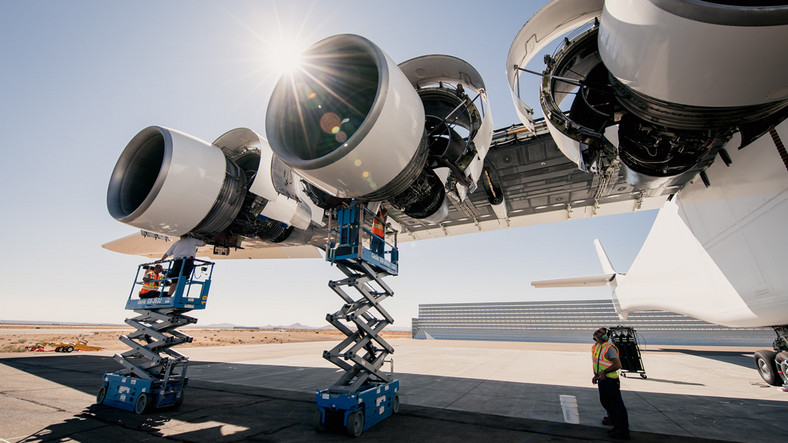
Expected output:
(14, 338)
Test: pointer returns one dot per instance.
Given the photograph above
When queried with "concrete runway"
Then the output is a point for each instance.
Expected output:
(450, 391)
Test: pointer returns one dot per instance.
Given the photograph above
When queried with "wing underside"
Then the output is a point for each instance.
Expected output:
(527, 180)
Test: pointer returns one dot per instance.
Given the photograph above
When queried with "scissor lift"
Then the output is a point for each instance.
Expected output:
(153, 374)
(364, 395)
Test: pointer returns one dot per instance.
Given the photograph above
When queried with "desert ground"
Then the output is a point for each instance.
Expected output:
(16, 337)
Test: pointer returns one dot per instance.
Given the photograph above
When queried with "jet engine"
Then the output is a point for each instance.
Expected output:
(169, 182)
(661, 85)
(358, 126)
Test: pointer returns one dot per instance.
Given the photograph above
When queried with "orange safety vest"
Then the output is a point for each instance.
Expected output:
(152, 284)
(600, 361)
(378, 228)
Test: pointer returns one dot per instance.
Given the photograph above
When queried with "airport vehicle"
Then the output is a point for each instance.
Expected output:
(154, 374)
(78, 345)
(677, 105)
(364, 395)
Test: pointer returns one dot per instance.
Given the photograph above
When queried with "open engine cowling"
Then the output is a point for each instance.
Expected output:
(353, 123)
(661, 85)
(168, 182)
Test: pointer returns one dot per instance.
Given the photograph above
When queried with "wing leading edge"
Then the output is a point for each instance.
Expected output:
(154, 245)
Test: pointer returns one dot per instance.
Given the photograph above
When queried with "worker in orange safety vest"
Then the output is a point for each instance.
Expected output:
(606, 363)
(378, 239)
(151, 282)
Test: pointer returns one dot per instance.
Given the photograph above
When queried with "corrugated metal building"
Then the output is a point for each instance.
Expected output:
(572, 322)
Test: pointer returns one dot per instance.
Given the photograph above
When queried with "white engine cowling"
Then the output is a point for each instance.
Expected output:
(699, 53)
(659, 86)
(349, 120)
(358, 126)
(169, 182)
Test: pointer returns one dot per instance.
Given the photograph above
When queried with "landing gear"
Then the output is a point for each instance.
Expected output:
(764, 361)
(772, 365)
(153, 374)
(364, 395)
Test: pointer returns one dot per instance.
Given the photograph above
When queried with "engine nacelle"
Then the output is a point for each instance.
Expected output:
(661, 85)
(168, 182)
(354, 124)
(349, 120)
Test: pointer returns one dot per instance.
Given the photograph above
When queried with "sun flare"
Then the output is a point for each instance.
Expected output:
(284, 56)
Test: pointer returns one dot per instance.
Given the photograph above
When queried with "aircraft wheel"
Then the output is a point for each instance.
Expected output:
(102, 394)
(643, 376)
(58, 349)
(395, 404)
(70, 349)
(764, 361)
(355, 423)
(624, 374)
(141, 405)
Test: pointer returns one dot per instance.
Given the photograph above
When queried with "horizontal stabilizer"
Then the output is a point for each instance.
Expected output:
(575, 282)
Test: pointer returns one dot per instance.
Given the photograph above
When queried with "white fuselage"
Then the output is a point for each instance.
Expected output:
(719, 253)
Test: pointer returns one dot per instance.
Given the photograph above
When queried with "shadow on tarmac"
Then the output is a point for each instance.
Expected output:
(230, 412)
(742, 359)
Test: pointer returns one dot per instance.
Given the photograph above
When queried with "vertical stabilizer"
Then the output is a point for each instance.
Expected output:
(607, 267)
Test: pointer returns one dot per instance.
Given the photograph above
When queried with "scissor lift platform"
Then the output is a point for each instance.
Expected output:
(153, 374)
(364, 395)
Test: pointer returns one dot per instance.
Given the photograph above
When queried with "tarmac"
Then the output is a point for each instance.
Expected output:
(450, 391)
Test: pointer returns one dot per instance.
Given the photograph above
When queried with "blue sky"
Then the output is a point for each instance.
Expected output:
(79, 79)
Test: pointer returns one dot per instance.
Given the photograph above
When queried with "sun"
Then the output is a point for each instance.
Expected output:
(284, 56)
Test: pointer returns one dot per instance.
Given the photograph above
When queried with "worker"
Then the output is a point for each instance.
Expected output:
(606, 363)
(151, 282)
(378, 239)
(183, 251)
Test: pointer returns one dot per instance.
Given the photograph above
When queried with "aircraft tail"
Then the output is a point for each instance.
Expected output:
(608, 278)
(607, 267)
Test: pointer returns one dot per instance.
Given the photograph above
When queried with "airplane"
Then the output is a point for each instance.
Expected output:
(675, 105)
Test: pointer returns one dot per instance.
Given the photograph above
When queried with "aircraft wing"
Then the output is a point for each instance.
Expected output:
(527, 180)
(153, 245)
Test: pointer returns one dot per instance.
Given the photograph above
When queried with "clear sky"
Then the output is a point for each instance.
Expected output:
(79, 79)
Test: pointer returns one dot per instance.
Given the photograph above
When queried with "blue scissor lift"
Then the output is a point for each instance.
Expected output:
(153, 374)
(364, 395)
